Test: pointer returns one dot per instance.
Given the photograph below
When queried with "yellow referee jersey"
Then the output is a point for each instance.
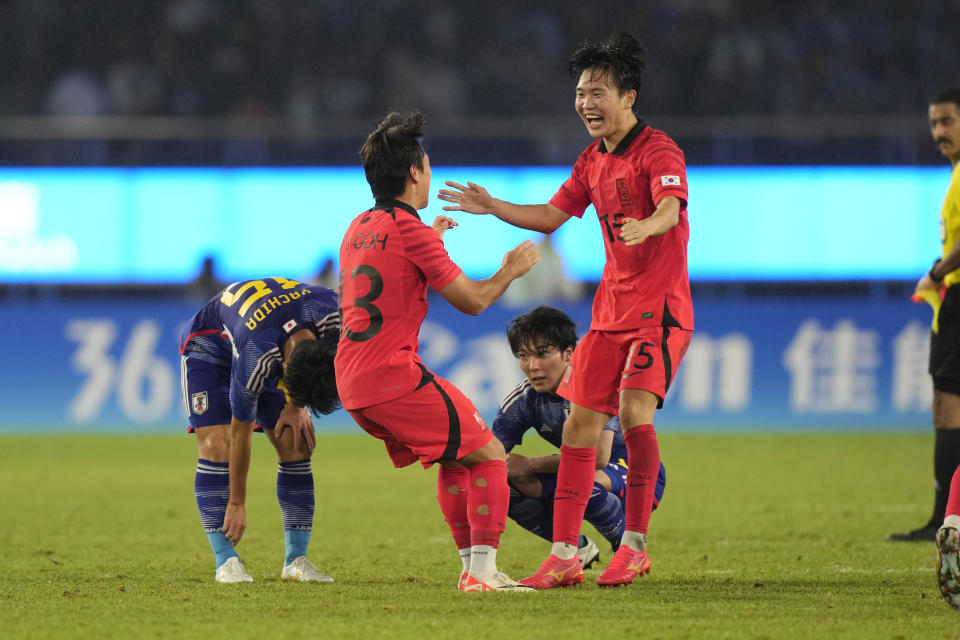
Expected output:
(950, 221)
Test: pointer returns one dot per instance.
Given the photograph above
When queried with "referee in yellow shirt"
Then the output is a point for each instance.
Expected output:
(945, 339)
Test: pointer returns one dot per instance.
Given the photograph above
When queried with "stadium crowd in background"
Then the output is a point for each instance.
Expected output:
(314, 59)
(315, 67)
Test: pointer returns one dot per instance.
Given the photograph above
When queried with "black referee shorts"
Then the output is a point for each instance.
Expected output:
(945, 345)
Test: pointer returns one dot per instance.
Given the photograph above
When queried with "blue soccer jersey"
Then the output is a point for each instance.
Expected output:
(245, 327)
(525, 408)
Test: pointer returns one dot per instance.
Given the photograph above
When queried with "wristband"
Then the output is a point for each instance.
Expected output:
(932, 275)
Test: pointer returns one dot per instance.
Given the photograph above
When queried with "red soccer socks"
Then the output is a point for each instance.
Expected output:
(643, 455)
(453, 485)
(574, 485)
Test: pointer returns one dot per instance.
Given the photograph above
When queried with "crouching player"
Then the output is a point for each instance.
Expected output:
(387, 259)
(259, 355)
(543, 341)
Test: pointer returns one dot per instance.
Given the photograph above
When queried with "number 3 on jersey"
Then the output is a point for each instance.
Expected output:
(364, 302)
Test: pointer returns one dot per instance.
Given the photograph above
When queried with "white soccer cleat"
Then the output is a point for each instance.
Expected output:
(302, 570)
(497, 581)
(588, 553)
(232, 571)
(948, 569)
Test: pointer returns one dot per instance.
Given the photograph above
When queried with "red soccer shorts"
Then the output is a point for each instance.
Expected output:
(606, 362)
(432, 423)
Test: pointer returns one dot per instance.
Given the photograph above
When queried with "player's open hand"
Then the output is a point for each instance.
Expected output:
(471, 198)
(633, 232)
(521, 258)
(442, 223)
(234, 522)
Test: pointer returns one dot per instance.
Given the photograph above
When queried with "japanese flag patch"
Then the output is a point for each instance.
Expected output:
(199, 403)
(289, 326)
(670, 181)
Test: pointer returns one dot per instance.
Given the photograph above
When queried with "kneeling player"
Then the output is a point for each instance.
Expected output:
(543, 340)
(239, 352)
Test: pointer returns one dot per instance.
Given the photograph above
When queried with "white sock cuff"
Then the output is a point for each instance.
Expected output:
(563, 550)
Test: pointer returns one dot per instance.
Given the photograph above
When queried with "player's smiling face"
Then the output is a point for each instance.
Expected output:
(605, 112)
(945, 128)
(544, 365)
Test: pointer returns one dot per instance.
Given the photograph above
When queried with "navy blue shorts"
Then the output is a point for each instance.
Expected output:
(206, 396)
(618, 482)
(618, 479)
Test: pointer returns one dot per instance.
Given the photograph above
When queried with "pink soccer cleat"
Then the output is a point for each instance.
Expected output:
(555, 572)
(624, 567)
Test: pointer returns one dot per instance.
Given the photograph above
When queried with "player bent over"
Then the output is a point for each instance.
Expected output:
(387, 259)
(239, 352)
(635, 177)
(543, 340)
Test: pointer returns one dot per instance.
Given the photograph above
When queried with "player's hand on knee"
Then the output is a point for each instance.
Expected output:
(302, 433)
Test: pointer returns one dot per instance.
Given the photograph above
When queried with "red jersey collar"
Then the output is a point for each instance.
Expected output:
(627, 139)
(388, 204)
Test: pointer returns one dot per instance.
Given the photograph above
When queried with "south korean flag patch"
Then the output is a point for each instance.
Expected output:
(199, 403)
(669, 181)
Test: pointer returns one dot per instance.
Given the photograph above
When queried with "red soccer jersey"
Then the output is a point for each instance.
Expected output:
(646, 284)
(387, 258)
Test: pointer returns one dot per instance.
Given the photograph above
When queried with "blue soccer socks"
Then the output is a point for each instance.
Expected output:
(296, 497)
(211, 487)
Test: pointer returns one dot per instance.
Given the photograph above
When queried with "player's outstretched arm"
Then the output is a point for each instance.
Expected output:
(472, 198)
(473, 296)
(235, 518)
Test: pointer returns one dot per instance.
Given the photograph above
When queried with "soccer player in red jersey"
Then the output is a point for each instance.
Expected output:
(635, 177)
(387, 259)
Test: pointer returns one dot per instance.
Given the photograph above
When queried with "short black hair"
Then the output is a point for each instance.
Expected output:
(541, 328)
(310, 378)
(621, 56)
(390, 151)
(947, 95)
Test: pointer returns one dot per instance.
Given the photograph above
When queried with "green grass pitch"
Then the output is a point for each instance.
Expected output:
(758, 536)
